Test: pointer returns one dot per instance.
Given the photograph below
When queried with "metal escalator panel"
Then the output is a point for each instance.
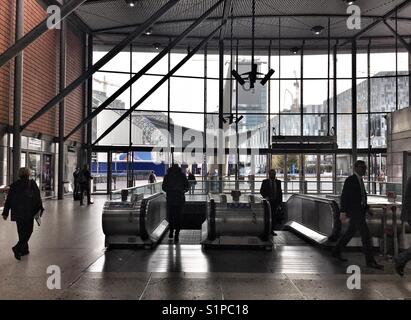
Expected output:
(315, 218)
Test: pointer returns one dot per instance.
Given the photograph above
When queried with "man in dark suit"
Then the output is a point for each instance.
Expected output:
(354, 207)
(271, 190)
(405, 256)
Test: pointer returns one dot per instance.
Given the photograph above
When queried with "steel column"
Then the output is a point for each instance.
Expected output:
(220, 111)
(36, 32)
(354, 99)
(18, 91)
(111, 54)
(89, 107)
(62, 106)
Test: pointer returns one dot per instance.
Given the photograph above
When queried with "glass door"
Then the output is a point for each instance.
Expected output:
(99, 171)
(34, 163)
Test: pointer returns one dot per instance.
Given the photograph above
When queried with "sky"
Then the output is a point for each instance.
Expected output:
(188, 94)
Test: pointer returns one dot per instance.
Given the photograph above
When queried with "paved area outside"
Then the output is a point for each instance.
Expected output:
(71, 237)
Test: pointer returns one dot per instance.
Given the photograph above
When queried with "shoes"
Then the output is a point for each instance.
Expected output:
(176, 239)
(170, 235)
(338, 256)
(16, 253)
(375, 265)
(398, 267)
(91, 202)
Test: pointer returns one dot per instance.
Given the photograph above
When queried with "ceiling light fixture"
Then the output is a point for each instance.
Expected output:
(317, 29)
(253, 74)
(131, 3)
(349, 2)
(157, 46)
(148, 32)
(294, 50)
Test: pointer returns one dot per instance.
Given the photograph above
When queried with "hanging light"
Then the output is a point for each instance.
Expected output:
(349, 2)
(294, 50)
(317, 29)
(131, 3)
(156, 46)
(148, 32)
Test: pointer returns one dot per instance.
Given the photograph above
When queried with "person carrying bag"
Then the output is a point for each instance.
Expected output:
(24, 201)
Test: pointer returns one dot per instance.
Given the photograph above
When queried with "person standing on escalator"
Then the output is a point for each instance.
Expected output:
(271, 190)
(175, 184)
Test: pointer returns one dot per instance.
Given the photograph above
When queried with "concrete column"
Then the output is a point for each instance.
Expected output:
(62, 106)
(18, 91)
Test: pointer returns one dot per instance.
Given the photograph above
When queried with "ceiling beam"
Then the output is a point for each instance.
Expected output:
(224, 18)
(342, 16)
(401, 6)
(36, 32)
(396, 35)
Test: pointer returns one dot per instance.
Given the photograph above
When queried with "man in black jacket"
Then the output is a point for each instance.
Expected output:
(84, 179)
(405, 256)
(24, 200)
(271, 190)
(175, 184)
(354, 207)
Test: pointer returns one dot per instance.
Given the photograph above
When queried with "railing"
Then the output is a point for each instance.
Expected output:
(147, 189)
(226, 185)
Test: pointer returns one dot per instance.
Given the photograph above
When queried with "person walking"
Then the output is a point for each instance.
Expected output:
(192, 182)
(354, 207)
(404, 257)
(76, 191)
(24, 201)
(84, 182)
(151, 180)
(271, 190)
(175, 184)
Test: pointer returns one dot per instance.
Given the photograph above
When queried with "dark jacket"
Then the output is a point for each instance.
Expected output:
(175, 184)
(192, 179)
(24, 200)
(351, 198)
(267, 192)
(406, 203)
(84, 177)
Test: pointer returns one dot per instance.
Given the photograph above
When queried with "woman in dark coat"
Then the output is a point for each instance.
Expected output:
(24, 200)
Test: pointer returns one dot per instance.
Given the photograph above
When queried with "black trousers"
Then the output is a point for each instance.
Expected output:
(274, 206)
(175, 216)
(85, 189)
(360, 224)
(24, 230)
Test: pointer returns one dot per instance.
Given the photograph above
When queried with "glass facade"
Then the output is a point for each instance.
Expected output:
(303, 98)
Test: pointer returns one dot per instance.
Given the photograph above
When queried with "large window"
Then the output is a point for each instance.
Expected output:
(300, 99)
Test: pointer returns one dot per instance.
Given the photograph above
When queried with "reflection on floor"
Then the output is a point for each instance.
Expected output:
(71, 237)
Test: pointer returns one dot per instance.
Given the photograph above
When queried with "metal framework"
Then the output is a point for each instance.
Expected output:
(36, 32)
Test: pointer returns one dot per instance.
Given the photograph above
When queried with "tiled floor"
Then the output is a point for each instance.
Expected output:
(71, 238)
